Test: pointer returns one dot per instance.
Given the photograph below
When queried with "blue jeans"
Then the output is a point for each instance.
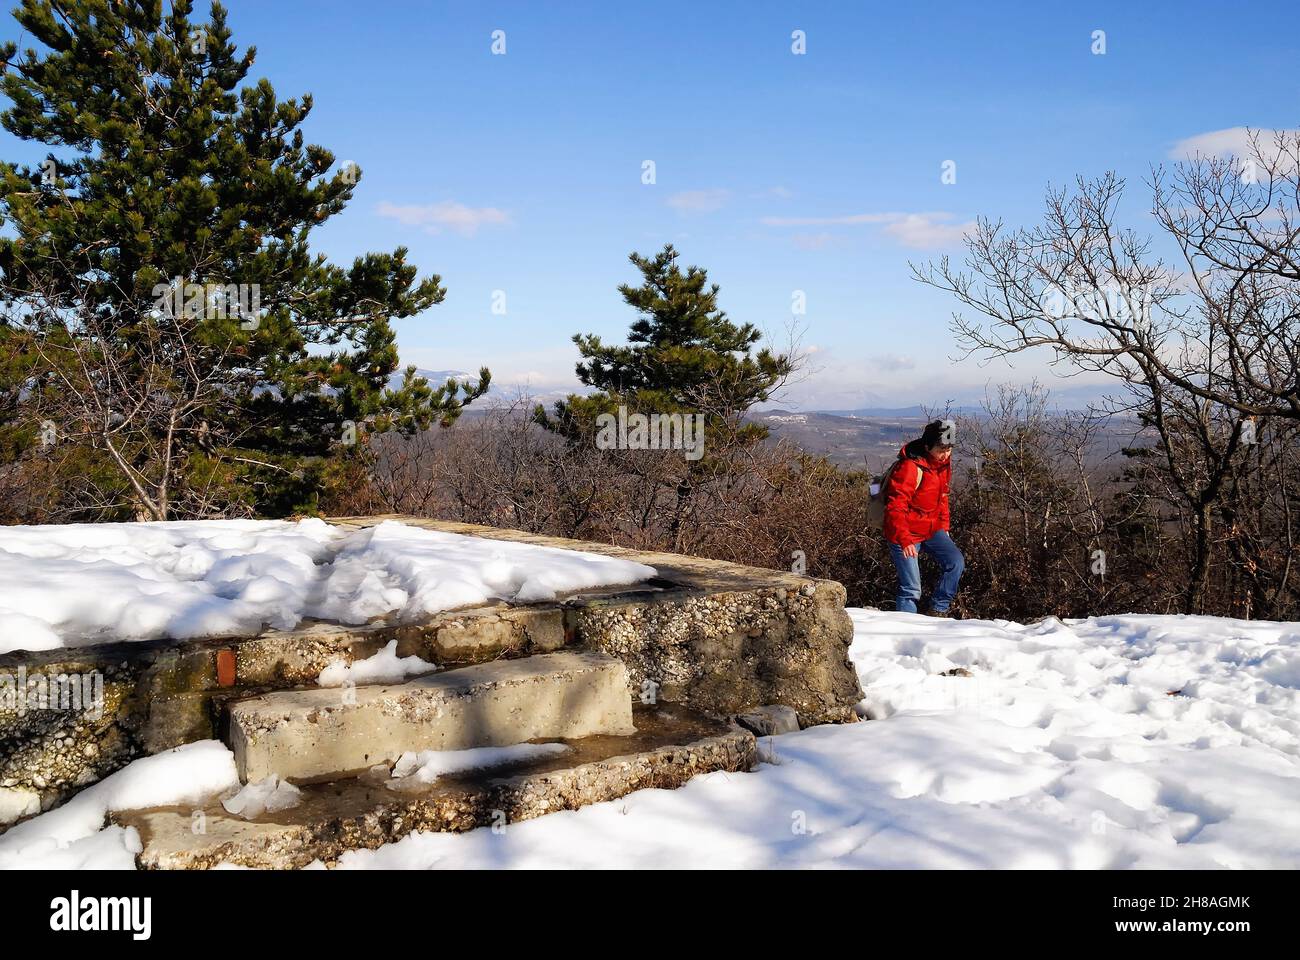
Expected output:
(941, 547)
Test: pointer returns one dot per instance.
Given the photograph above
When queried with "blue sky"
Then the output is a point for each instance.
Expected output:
(778, 172)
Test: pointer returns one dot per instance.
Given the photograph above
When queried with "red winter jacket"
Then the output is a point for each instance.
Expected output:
(913, 513)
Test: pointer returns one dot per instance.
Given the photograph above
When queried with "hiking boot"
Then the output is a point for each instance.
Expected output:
(931, 612)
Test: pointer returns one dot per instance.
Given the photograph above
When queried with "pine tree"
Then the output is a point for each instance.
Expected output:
(683, 356)
(164, 308)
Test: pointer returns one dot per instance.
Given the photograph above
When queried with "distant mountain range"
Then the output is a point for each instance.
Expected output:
(907, 412)
(868, 437)
(871, 438)
(857, 439)
(433, 376)
(497, 392)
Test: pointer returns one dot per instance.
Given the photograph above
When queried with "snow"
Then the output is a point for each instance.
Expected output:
(441, 571)
(1112, 742)
(75, 583)
(261, 796)
(69, 585)
(383, 667)
(414, 770)
(73, 836)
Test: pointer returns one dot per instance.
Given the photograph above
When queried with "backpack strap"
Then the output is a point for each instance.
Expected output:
(884, 481)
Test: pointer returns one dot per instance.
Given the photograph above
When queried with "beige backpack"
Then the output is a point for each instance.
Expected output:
(876, 505)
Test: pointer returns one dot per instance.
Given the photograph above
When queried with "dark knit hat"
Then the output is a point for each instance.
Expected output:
(939, 433)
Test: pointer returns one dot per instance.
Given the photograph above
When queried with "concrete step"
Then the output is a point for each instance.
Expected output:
(302, 735)
(671, 745)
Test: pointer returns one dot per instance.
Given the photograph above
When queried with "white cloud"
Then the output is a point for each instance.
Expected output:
(892, 362)
(922, 231)
(698, 201)
(1235, 142)
(449, 214)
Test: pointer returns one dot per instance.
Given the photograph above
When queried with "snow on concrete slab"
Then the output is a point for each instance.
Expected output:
(73, 584)
(73, 836)
(383, 667)
(436, 571)
(267, 795)
(1113, 742)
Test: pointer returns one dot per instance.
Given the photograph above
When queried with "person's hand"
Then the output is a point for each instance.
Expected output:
(910, 550)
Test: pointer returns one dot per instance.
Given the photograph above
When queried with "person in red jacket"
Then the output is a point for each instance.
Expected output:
(916, 518)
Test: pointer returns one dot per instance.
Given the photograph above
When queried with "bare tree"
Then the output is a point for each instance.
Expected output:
(1205, 349)
(1220, 326)
(146, 403)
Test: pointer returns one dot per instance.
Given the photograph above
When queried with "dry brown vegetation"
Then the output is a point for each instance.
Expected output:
(1047, 528)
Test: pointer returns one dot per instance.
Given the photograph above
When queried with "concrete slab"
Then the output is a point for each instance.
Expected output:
(671, 745)
(713, 636)
(306, 734)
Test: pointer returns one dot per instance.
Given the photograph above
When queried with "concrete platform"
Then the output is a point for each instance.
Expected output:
(717, 637)
(306, 734)
(671, 745)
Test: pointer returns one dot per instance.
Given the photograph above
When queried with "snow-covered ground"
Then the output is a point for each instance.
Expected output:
(1133, 741)
(83, 583)
(73, 836)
